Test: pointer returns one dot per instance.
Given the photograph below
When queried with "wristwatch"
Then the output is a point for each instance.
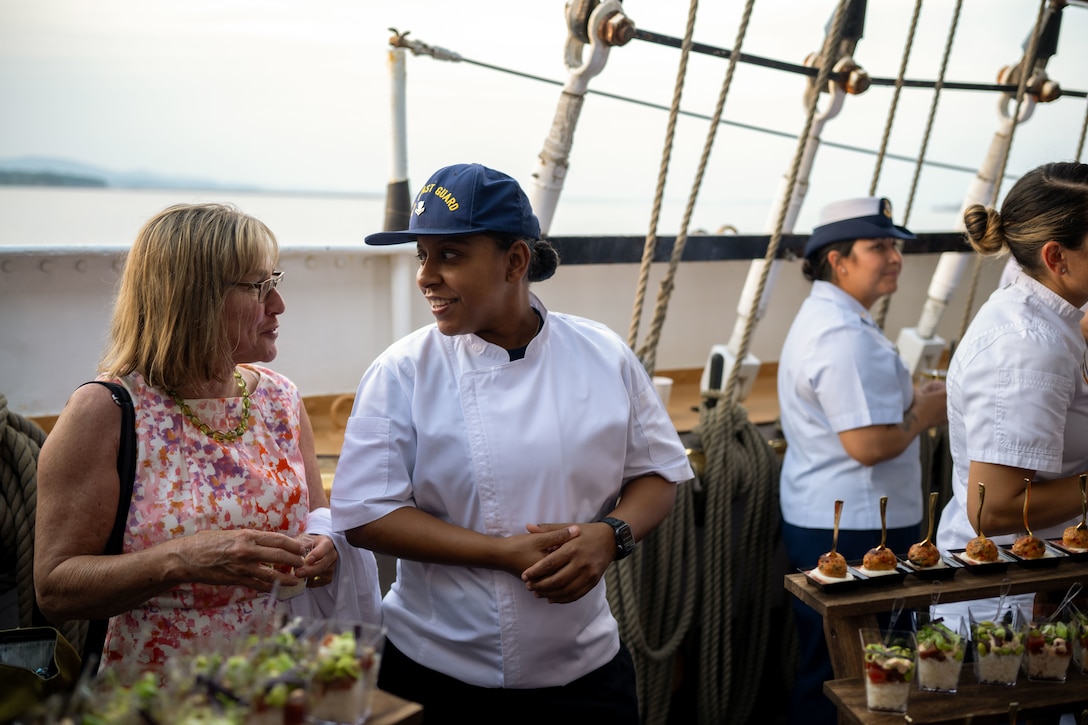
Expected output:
(625, 540)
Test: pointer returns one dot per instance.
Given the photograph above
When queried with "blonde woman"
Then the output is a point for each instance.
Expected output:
(227, 476)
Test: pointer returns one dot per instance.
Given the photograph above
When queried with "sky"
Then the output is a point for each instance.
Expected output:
(297, 95)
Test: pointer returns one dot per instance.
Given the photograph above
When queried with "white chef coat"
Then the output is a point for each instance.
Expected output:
(838, 372)
(1016, 397)
(452, 426)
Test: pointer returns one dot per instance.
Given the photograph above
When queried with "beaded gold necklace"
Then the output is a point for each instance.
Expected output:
(204, 428)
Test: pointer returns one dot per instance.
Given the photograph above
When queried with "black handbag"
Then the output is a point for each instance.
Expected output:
(38, 662)
(35, 664)
(126, 472)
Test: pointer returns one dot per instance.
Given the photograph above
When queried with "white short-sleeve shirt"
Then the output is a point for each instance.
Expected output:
(452, 426)
(838, 372)
(1016, 397)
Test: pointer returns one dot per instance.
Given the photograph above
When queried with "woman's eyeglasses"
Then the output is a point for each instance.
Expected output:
(265, 286)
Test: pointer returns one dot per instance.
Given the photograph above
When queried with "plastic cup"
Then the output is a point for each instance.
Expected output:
(285, 592)
(1048, 640)
(889, 659)
(663, 386)
(997, 640)
(942, 646)
(344, 660)
(1080, 642)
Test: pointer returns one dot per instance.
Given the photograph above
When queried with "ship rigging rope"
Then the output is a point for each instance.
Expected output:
(654, 620)
(748, 473)
(726, 122)
(1083, 130)
(743, 467)
(666, 40)
(648, 353)
(659, 191)
(933, 109)
(881, 310)
(882, 303)
(1027, 63)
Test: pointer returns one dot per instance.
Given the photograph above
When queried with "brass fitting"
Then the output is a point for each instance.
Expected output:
(618, 30)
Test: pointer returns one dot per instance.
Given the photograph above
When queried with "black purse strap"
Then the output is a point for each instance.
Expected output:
(126, 472)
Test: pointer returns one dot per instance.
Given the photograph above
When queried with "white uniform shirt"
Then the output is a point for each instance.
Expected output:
(452, 426)
(837, 372)
(1016, 397)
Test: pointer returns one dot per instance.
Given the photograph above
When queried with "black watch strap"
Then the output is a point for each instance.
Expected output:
(625, 540)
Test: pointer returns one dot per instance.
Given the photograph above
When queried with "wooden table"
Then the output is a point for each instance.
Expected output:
(984, 703)
(387, 709)
(845, 612)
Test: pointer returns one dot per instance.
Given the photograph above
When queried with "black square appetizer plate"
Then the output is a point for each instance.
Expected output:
(943, 569)
(892, 576)
(1073, 554)
(1050, 557)
(990, 567)
(832, 585)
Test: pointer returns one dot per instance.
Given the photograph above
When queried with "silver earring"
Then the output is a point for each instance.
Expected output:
(1064, 270)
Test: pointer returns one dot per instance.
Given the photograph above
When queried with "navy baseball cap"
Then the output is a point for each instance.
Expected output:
(869, 217)
(466, 199)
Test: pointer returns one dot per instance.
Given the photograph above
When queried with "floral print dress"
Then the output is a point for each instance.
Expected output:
(187, 482)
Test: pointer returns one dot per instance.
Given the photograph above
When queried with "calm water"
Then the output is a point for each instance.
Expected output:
(40, 216)
(65, 217)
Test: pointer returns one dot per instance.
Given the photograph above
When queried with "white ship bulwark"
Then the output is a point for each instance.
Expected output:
(345, 305)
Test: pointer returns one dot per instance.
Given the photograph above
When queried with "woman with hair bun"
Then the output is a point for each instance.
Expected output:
(506, 455)
(1018, 381)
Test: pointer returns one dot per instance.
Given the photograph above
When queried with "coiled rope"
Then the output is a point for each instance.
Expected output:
(738, 594)
(653, 597)
(20, 442)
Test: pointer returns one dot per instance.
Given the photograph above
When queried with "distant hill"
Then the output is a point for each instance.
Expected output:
(48, 171)
(46, 178)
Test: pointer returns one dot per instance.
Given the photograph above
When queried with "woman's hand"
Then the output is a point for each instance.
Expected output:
(320, 567)
(570, 571)
(930, 403)
(240, 557)
(523, 551)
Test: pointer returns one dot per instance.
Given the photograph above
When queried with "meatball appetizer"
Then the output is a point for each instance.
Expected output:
(982, 550)
(832, 565)
(1075, 537)
(1029, 547)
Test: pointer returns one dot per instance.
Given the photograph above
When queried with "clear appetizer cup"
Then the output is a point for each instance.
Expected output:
(997, 640)
(889, 659)
(1049, 635)
(942, 646)
(1080, 641)
(344, 658)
